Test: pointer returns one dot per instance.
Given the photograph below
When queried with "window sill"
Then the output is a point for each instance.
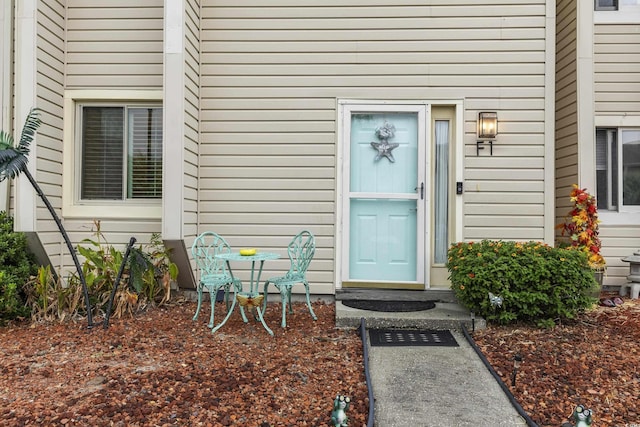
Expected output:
(619, 218)
(113, 211)
(625, 16)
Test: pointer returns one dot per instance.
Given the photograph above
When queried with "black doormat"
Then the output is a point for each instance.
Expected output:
(389, 306)
(411, 337)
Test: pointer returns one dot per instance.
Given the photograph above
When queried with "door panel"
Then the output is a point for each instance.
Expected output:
(383, 240)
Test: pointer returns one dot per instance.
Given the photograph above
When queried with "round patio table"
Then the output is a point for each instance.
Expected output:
(253, 298)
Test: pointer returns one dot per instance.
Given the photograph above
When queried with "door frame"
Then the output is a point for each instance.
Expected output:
(456, 201)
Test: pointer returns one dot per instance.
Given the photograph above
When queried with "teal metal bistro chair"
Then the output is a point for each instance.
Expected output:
(300, 251)
(213, 272)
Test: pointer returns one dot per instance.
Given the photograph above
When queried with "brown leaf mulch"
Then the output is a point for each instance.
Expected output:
(162, 369)
(593, 361)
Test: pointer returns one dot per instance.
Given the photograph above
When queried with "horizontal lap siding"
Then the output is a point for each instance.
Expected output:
(271, 76)
(618, 242)
(617, 69)
(617, 94)
(192, 117)
(48, 147)
(114, 44)
(566, 134)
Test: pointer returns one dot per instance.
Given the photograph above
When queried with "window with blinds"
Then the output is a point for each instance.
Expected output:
(606, 169)
(144, 160)
(121, 153)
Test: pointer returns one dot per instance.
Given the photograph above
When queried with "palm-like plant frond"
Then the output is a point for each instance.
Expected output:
(11, 163)
(31, 124)
(8, 154)
(6, 140)
(14, 159)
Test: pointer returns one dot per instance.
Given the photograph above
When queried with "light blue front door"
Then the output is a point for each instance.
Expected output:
(386, 192)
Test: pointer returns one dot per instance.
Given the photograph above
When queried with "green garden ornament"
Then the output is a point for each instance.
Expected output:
(495, 300)
(581, 416)
(339, 413)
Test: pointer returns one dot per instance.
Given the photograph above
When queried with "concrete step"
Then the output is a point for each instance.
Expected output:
(445, 315)
(441, 295)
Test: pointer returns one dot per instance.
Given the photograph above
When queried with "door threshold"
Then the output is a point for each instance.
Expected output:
(439, 294)
(384, 285)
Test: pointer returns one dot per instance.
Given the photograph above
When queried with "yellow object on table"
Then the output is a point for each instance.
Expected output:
(248, 251)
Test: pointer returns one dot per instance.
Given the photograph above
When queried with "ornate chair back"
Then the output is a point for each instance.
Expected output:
(301, 251)
(205, 248)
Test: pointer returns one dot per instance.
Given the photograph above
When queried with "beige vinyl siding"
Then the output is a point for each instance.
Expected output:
(617, 69)
(271, 78)
(114, 232)
(566, 106)
(114, 44)
(192, 118)
(48, 143)
(617, 101)
(618, 242)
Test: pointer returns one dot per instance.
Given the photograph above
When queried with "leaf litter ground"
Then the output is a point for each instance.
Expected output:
(593, 360)
(162, 369)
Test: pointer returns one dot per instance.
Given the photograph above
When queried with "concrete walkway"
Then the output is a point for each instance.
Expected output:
(437, 386)
(431, 386)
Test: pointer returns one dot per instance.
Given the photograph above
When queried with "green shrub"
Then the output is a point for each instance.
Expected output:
(17, 265)
(535, 282)
(16, 261)
(11, 305)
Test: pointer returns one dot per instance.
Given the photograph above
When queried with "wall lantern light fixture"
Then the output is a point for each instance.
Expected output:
(487, 130)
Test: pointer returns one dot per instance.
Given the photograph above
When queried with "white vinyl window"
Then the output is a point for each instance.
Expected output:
(618, 169)
(120, 152)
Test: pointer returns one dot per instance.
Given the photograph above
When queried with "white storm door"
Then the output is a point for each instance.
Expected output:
(384, 194)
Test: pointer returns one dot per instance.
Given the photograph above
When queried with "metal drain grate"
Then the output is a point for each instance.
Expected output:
(411, 337)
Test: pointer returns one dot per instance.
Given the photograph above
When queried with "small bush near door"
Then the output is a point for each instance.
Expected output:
(506, 281)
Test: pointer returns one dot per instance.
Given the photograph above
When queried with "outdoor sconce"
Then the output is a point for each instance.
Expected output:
(487, 130)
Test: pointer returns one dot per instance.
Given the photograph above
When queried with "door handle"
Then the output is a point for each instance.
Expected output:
(422, 191)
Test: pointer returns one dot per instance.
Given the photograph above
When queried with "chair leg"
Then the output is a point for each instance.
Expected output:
(212, 298)
(265, 292)
(283, 298)
(306, 288)
(289, 298)
(195, 317)
(227, 289)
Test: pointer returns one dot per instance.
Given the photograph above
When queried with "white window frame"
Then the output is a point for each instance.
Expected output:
(625, 13)
(620, 139)
(621, 215)
(72, 206)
